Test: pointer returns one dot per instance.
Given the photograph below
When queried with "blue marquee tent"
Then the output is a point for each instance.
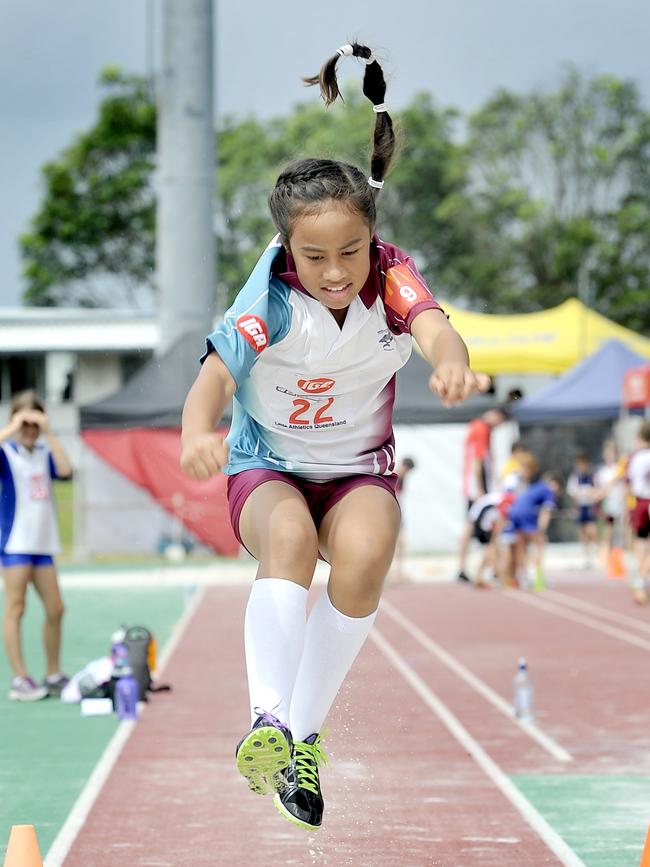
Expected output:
(592, 389)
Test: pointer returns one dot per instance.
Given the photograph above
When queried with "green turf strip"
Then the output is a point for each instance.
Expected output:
(47, 750)
(604, 819)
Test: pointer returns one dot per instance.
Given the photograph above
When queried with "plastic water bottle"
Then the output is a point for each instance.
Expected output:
(523, 693)
(126, 694)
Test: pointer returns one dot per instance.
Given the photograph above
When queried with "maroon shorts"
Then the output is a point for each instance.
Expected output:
(320, 496)
(640, 518)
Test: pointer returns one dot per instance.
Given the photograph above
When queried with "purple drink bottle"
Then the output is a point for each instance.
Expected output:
(126, 695)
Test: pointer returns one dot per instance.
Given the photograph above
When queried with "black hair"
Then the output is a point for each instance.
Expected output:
(409, 463)
(305, 184)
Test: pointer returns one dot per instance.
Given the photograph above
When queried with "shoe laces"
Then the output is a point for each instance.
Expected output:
(264, 717)
(308, 757)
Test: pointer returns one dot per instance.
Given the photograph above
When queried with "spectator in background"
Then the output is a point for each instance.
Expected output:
(30, 457)
(609, 479)
(638, 483)
(398, 573)
(529, 517)
(514, 394)
(581, 487)
(510, 473)
(485, 520)
(477, 469)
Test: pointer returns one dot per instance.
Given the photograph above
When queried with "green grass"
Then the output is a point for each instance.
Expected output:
(603, 818)
(47, 749)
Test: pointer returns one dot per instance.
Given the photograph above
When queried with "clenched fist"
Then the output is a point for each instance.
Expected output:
(203, 455)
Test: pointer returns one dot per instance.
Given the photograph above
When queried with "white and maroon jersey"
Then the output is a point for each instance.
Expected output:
(27, 512)
(638, 474)
(314, 398)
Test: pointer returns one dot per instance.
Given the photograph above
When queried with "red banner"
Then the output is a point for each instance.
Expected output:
(636, 387)
(150, 459)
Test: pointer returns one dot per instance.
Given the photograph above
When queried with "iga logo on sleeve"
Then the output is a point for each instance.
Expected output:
(254, 330)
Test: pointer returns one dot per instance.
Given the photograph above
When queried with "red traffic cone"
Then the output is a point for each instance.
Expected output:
(22, 849)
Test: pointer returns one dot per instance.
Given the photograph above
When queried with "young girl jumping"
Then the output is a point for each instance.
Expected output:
(309, 351)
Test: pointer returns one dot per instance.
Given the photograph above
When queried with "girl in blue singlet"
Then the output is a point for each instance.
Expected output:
(30, 457)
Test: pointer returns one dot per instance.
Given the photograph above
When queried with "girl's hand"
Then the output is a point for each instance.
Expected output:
(203, 455)
(35, 416)
(454, 381)
(28, 416)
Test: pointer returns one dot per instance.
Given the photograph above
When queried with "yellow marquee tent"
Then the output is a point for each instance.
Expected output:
(550, 341)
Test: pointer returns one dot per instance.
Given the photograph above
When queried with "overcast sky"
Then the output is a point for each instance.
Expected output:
(462, 50)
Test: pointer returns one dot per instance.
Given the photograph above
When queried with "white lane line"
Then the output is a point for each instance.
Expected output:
(62, 843)
(533, 731)
(530, 815)
(598, 610)
(560, 611)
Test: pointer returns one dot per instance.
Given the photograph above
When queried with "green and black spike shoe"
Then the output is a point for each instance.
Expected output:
(299, 797)
(264, 754)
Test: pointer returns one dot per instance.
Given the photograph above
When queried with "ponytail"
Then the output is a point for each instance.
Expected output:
(374, 88)
(305, 184)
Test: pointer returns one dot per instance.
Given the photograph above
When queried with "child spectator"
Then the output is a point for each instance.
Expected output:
(581, 487)
(30, 457)
(529, 518)
(610, 493)
(638, 482)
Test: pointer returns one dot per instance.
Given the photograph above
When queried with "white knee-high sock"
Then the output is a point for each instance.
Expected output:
(274, 634)
(332, 642)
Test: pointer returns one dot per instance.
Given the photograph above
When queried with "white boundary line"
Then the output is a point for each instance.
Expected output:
(531, 816)
(599, 611)
(58, 851)
(560, 611)
(533, 731)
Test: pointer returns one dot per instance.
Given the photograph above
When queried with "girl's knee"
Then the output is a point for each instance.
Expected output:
(14, 609)
(295, 543)
(55, 611)
(369, 556)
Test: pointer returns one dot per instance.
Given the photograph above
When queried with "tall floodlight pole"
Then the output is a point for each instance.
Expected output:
(185, 247)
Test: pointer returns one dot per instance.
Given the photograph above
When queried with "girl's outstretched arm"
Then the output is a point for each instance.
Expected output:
(452, 378)
(203, 451)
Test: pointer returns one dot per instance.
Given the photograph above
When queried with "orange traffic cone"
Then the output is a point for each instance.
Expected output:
(616, 564)
(22, 850)
(645, 858)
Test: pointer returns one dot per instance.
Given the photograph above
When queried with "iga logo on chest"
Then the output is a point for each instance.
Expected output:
(316, 386)
(254, 330)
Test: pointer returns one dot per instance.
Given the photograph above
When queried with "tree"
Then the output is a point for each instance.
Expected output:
(429, 168)
(548, 196)
(561, 185)
(93, 237)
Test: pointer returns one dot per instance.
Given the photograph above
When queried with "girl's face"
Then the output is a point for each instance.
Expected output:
(28, 434)
(331, 250)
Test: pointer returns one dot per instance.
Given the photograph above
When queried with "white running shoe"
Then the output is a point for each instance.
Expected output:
(25, 689)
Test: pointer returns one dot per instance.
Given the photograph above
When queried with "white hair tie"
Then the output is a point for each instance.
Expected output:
(345, 51)
(381, 106)
(376, 184)
(369, 60)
